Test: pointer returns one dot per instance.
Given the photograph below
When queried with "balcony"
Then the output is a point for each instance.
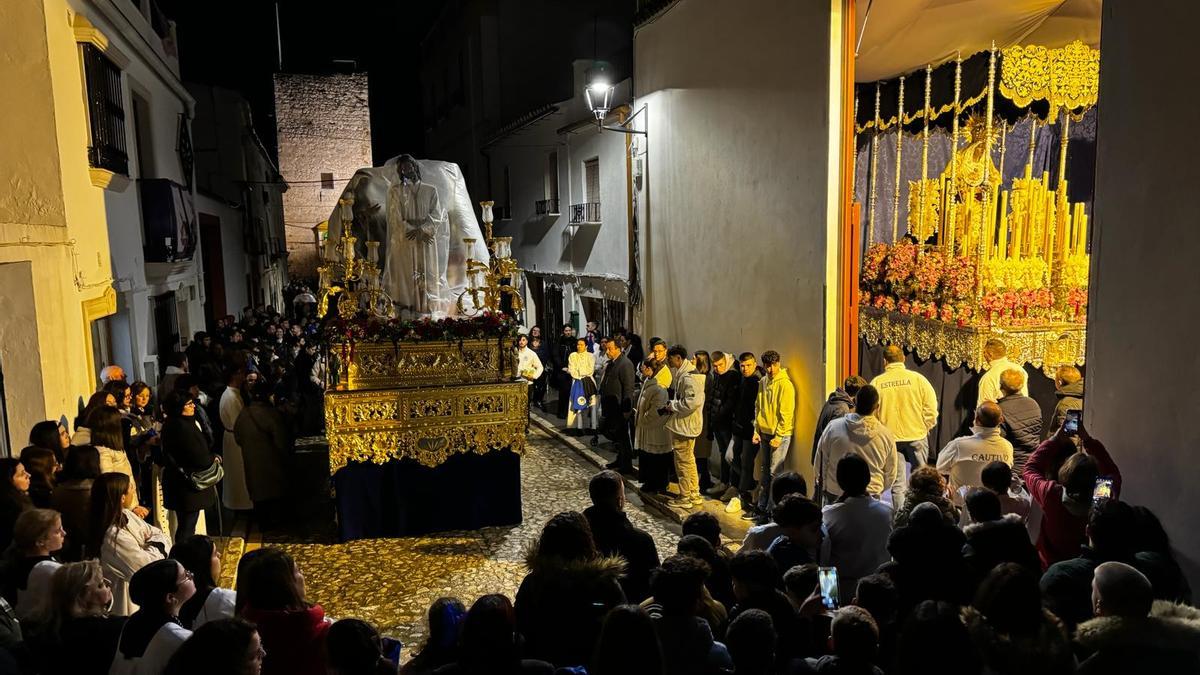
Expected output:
(547, 207)
(168, 221)
(588, 212)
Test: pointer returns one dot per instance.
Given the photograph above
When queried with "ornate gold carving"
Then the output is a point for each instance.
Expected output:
(425, 425)
(1046, 347)
(1068, 77)
(384, 365)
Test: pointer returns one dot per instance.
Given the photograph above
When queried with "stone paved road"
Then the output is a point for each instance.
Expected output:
(392, 582)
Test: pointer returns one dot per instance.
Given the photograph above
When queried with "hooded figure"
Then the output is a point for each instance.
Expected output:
(863, 435)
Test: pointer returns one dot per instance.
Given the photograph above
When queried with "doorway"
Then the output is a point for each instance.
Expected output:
(214, 269)
(166, 328)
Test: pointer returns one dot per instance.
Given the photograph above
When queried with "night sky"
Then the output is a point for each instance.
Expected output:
(233, 44)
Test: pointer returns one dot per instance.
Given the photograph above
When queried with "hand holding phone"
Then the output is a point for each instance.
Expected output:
(1071, 423)
(827, 580)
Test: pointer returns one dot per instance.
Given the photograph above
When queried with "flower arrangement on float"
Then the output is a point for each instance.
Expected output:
(367, 328)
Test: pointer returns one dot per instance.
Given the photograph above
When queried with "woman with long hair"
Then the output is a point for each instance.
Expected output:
(72, 632)
(628, 644)
(14, 496)
(153, 634)
(230, 646)
(491, 644)
(185, 452)
(42, 468)
(29, 564)
(120, 538)
(121, 394)
(581, 366)
(108, 438)
(97, 401)
(650, 437)
(72, 497)
(356, 648)
(200, 556)
(52, 436)
(703, 449)
(444, 619)
(293, 630)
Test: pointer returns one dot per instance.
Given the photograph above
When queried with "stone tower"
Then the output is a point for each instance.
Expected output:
(324, 134)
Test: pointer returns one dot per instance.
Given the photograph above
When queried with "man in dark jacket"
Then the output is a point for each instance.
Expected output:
(688, 646)
(840, 404)
(993, 539)
(559, 379)
(616, 536)
(1068, 386)
(745, 449)
(616, 403)
(1022, 424)
(719, 409)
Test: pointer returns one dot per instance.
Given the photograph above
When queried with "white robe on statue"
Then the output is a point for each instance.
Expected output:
(414, 272)
(234, 493)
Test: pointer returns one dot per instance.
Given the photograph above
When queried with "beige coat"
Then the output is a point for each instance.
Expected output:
(651, 433)
(125, 551)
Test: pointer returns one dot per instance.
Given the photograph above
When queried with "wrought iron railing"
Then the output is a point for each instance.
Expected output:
(547, 207)
(106, 113)
(588, 212)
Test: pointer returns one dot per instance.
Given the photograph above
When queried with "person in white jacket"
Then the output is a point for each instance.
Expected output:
(108, 439)
(529, 366)
(859, 433)
(234, 493)
(200, 556)
(153, 634)
(996, 353)
(908, 407)
(686, 423)
(581, 365)
(125, 542)
(964, 458)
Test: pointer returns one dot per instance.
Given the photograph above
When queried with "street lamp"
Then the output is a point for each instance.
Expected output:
(598, 92)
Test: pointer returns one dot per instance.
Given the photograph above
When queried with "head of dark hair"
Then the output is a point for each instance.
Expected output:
(174, 402)
(195, 554)
(185, 382)
(40, 463)
(105, 424)
(31, 528)
(866, 400)
(1152, 536)
(567, 536)
(445, 617)
(95, 402)
(45, 435)
(489, 634)
(983, 505)
(698, 547)
(934, 622)
(605, 489)
(756, 570)
(989, 414)
(219, 646)
(796, 511)
(853, 474)
(678, 584)
(1078, 476)
(81, 463)
(855, 634)
(117, 388)
(751, 642)
(150, 585)
(851, 385)
(770, 357)
(801, 580)
(176, 359)
(997, 477)
(703, 362)
(678, 351)
(1010, 599)
(628, 644)
(354, 647)
(926, 482)
(8, 468)
(248, 559)
(107, 507)
(877, 594)
(747, 356)
(704, 524)
(788, 483)
(271, 584)
(1112, 529)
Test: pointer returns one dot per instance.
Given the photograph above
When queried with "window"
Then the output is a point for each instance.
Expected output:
(326, 181)
(591, 180)
(106, 112)
(552, 177)
(143, 139)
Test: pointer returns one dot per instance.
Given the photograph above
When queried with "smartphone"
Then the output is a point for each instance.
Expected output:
(1103, 490)
(1071, 424)
(827, 578)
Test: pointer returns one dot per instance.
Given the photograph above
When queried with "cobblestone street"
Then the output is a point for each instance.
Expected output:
(391, 582)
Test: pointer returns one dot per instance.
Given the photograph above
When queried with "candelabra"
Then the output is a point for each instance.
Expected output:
(488, 283)
(353, 283)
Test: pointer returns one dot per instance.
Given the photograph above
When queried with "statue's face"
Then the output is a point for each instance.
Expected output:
(409, 173)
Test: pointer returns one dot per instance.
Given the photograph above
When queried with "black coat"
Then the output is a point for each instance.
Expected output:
(1070, 398)
(616, 387)
(999, 541)
(839, 405)
(266, 451)
(1022, 422)
(720, 406)
(743, 414)
(185, 449)
(560, 606)
(616, 536)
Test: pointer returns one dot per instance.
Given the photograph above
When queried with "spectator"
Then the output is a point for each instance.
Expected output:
(759, 537)
(581, 367)
(854, 639)
(141, 438)
(538, 346)
(756, 583)
(491, 644)
(774, 409)
(616, 404)
(108, 438)
(860, 433)
(224, 646)
(153, 634)
(266, 445)
(706, 525)
(799, 582)
(996, 354)
(998, 478)
(185, 454)
(52, 436)
(1133, 634)
(720, 409)
(529, 367)
(1068, 387)
(201, 557)
(14, 496)
(72, 634)
(292, 630)
(993, 538)
(42, 467)
(235, 494)
(628, 644)
(1154, 547)
(112, 373)
(72, 498)
(685, 423)
(799, 540)
(356, 648)
(744, 451)
(177, 364)
(963, 458)
(927, 560)
(751, 643)
(1012, 633)
(99, 400)
(877, 594)
(29, 564)
(703, 445)
(926, 485)
(1022, 424)
(840, 404)
(658, 351)
(718, 585)
(568, 590)
(615, 536)
(444, 619)
(687, 642)
(935, 623)
(124, 542)
(908, 407)
(652, 439)
(857, 525)
(1065, 495)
